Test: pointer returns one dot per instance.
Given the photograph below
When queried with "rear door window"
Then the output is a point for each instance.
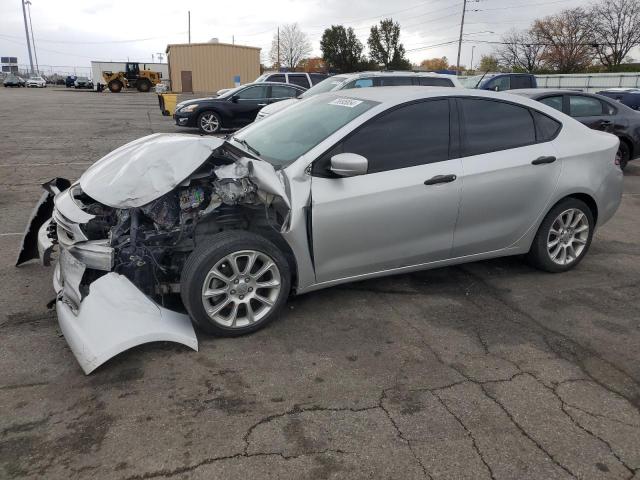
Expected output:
(491, 126)
(581, 106)
(520, 81)
(299, 79)
(434, 82)
(546, 127)
(394, 81)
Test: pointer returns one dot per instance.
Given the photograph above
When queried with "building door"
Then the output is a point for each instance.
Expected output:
(185, 79)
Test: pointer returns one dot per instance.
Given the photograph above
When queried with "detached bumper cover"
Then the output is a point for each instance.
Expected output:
(115, 317)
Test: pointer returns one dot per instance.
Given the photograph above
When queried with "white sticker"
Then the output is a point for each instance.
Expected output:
(345, 102)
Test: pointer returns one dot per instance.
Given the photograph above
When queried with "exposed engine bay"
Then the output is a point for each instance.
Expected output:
(151, 242)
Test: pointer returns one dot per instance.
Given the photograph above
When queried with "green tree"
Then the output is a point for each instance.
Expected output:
(341, 49)
(489, 63)
(385, 47)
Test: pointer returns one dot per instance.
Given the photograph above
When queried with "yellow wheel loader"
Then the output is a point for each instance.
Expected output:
(133, 77)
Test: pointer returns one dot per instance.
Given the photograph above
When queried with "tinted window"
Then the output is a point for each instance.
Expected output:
(300, 80)
(546, 127)
(360, 83)
(394, 81)
(434, 82)
(580, 106)
(282, 91)
(492, 126)
(407, 136)
(520, 81)
(252, 93)
(276, 78)
(553, 102)
(317, 77)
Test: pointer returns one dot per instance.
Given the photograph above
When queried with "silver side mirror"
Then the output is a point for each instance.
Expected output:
(349, 164)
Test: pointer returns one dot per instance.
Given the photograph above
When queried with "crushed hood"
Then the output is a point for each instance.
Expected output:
(145, 169)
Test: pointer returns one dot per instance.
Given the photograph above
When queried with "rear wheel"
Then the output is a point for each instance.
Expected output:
(144, 85)
(115, 86)
(623, 154)
(234, 284)
(564, 237)
(209, 122)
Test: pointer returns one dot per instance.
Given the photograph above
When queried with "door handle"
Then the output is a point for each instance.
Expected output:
(543, 160)
(605, 122)
(261, 104)
(440, 179)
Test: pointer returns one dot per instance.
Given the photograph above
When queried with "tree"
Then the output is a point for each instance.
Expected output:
(433, 64)
(521, 51)
(489, 63)
(567, 39)
(294, 46)
(313, 64)
(385, 47)
(341, 49)
(616, 30)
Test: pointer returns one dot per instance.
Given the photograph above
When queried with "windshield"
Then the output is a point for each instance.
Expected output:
(281, 139)
(230, 92)
(82, 79)
(261, 78)
(471, 82)
(326, 85)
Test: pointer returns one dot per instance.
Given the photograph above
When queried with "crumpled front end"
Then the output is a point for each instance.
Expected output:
(117, 277)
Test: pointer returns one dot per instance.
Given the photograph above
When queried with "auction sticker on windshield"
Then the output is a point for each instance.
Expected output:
(345, 102)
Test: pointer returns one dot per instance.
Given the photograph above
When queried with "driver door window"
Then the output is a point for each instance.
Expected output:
(254, 93)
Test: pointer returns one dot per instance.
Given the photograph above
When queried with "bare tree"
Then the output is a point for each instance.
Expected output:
(521, 50)
(568, 40)
(616, 29)
(293, 46)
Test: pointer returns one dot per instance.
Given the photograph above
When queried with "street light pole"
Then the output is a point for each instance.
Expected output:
(26, 30)
(472, 49)
(33, 40)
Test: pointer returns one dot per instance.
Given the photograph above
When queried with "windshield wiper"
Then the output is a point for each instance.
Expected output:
(246, 144)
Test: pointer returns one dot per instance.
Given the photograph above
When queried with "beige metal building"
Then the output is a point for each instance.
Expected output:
(208, 67)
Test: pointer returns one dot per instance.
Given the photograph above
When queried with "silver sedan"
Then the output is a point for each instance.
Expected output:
(341, 187)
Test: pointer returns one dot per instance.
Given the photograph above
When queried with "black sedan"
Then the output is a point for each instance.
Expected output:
(597, 112)
(233, 109)
(627, 96)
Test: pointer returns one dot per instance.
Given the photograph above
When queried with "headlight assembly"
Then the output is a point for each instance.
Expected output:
(189, 108)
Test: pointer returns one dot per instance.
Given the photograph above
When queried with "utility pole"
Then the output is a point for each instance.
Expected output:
(26, 30)
(189, 22)
(278, 48)
(33, 40)
(464, 10)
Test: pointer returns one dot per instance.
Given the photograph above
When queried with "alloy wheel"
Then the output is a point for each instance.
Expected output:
(209, 123)
(568, 236)
(241, 289)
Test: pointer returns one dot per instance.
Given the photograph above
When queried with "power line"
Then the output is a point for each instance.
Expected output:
(72, 42)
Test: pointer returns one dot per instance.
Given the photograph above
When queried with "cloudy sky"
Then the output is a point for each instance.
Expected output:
(71, 34)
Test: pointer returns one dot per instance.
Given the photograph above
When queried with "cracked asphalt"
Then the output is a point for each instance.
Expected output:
(488, 370)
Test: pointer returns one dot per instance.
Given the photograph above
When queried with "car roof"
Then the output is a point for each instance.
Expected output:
(535, 92)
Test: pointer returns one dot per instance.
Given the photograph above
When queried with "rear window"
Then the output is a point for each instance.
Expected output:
(394, 81)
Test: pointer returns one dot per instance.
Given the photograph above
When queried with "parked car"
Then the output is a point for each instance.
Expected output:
(302, 79)
(347, 186)
(627, 96)
(12, 80)
(234, 109)
(70, 81)
(367, 79)
(499, 82)
(83, 82)
(596, 112)
(36, 82)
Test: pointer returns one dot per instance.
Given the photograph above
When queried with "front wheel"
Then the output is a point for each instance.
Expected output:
(115, 86)
(564, 237)
(235, 283)
(209, 123)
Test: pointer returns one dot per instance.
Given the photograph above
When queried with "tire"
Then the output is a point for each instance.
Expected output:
(546, 251)
(143, 85)
(115, 86)
(623, 155)
(209, 122)
(242, 306)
